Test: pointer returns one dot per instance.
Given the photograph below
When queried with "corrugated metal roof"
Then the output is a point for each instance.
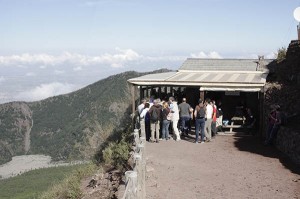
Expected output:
(199, 78)
(199, 64)
(154, 77)
(211, 73)
(251, 78)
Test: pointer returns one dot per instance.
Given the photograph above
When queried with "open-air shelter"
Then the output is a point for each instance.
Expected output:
(233, 82)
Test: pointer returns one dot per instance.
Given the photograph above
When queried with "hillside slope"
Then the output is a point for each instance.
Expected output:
(73, 126)
(15, 125)
(66, 127)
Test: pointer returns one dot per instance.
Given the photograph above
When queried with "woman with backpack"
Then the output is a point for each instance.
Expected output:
(155, 118)
(200, 121)
(166, 121)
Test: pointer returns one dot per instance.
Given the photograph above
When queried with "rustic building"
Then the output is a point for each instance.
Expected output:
(233, 82)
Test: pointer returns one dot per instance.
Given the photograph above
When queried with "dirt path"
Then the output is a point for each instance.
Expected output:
(228, 167)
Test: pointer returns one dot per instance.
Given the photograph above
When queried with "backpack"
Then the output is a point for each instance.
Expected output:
(154, 116)
(201, 113)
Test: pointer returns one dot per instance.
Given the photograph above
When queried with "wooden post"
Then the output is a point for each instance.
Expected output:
(298, 30)
(141, 93)
(159, 92)
(202, 95)
(261, 113)
(133, 98)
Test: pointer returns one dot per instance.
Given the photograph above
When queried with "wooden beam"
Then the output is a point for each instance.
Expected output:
(133, 98)
(141, 93)
(202, 95)
(261, 114)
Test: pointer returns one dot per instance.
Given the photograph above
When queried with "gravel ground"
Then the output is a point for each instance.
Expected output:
(227, 167)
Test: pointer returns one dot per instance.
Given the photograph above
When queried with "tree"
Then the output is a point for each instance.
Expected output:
(281, 54)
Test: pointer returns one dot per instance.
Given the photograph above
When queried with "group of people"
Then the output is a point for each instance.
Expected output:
(158, 117)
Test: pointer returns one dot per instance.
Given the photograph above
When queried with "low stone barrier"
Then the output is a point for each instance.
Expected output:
(135, 180)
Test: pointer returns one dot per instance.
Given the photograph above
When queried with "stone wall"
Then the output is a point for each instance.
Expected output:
(288, 141)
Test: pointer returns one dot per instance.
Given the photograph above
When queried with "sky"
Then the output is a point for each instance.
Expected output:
(52, 47)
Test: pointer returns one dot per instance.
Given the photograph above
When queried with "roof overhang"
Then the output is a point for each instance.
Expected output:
(247, 81)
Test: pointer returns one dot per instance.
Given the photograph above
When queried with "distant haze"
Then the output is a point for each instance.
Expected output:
(54, 47)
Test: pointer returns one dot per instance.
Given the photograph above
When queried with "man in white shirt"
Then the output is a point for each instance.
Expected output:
(141, 119)
(209, 113)
(141, 106)
(175, 117)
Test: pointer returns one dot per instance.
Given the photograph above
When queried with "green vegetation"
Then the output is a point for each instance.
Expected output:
(69, 188)
(281, 54)
(31, 184)
(65, 126)
(116, 154)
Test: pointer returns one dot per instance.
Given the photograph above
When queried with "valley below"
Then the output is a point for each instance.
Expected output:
(24, 163)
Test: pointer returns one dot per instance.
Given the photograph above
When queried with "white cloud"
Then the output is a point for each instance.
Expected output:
(59, 72)
(78, 68)
(46, 90)
(43, 67)
(4, 97)
(163, 58)
(30, 74)
(26, 58)
(212, 55)
(2, 79)
(118, 59)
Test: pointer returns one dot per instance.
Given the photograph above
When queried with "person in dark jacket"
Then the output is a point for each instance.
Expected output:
(185, 115)
(155, 118)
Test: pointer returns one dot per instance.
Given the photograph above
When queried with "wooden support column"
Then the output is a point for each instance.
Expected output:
(147, 91)
(261, 114)
(159, 92)
(141, 93)
(133, 98)
(202, 95)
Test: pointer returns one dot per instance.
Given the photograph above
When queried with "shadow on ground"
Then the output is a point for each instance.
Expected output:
(255, 145)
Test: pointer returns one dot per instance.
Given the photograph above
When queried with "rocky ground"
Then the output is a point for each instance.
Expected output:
(102, 185)
(227, 167)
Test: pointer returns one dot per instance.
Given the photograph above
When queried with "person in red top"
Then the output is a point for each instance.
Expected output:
(214, 119)
(274, 124)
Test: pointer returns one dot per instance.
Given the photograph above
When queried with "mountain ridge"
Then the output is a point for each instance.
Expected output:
(70, 126)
